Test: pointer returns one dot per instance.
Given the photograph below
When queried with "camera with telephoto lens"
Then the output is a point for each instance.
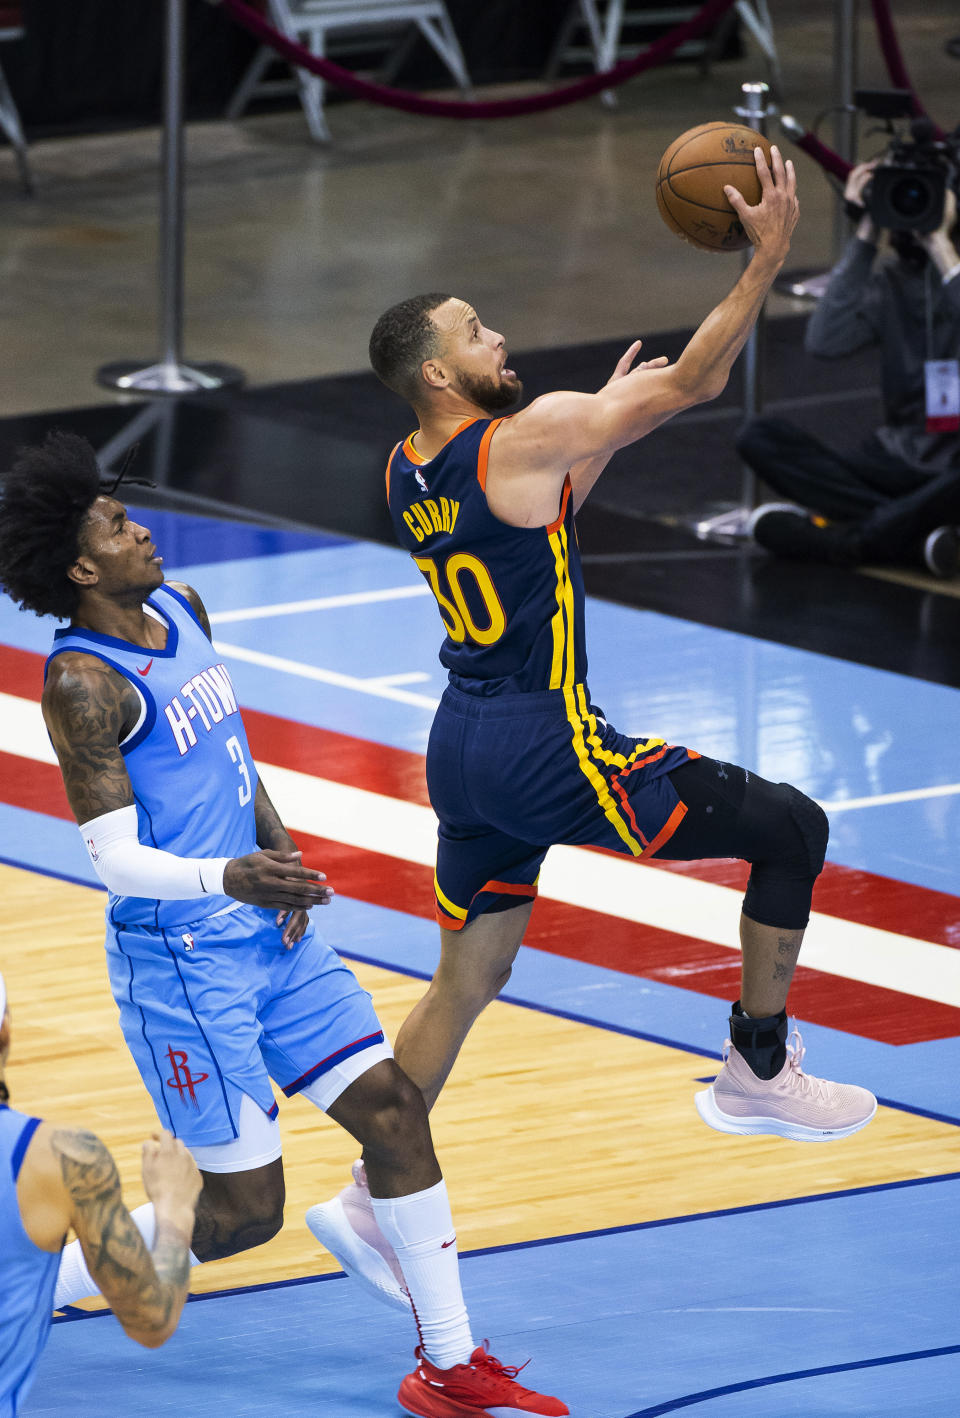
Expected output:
(908, 190)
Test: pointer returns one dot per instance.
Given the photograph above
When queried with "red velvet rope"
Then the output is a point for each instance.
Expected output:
(655, 53)
(829, 160)
(893, 57)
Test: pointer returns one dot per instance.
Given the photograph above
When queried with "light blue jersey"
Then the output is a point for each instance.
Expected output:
(187, 756)
(27, 1274)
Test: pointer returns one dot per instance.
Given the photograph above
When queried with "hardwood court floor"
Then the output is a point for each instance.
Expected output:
(548, 1127)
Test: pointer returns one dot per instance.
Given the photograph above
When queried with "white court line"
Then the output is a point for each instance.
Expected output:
(28, 730)
(378, 688)
(910, 795)
(613, 886)
(616, 886)
(320, 603)
(412, 677)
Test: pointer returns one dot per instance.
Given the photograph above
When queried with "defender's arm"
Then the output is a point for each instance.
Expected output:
(69, 1179)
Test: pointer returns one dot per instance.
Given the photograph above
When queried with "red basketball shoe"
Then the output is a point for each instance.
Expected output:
(483, 1385)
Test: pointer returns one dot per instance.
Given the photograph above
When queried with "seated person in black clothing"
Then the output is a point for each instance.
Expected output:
(897, 497)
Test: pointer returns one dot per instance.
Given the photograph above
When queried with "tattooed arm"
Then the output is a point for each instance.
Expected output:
(88, 709)
(69, 1179)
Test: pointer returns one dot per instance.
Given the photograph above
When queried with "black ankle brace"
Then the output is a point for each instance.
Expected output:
(761, 1042)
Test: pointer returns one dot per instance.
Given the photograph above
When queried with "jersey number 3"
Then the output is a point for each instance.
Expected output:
(447, 584)
(235, 751)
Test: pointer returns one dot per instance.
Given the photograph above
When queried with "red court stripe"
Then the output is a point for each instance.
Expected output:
(38, 786)
(580, 934)
(573, 931)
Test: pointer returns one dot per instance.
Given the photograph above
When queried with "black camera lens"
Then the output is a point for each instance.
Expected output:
(911, 197)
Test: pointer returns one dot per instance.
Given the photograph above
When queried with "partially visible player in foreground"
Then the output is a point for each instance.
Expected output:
(55, 1178)
(518, 756)
(221, 981)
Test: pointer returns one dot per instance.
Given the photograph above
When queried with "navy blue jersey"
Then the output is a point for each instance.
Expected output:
(510, 598)
(27, 1274)
(189, 763)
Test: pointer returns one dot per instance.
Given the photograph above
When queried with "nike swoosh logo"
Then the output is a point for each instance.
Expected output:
(444, 1244)
(146, 669)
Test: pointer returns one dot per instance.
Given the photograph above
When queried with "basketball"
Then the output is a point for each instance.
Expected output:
(692, 175)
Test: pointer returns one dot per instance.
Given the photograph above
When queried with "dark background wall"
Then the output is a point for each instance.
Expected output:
(98, 64)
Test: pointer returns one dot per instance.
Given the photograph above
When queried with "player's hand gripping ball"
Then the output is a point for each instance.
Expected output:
(693, 173)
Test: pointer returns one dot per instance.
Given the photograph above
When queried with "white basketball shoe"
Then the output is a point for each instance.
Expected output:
(347, 1228)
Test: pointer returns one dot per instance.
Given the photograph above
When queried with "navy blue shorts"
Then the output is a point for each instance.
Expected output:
(511, 775)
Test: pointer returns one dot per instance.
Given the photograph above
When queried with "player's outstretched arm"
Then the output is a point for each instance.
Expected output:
(532, 452)
(70, 1179)
(584, 474)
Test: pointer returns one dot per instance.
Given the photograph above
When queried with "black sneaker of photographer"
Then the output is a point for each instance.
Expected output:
(796, 535)
(941, 552)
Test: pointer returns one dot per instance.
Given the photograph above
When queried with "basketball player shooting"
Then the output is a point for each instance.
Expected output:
(518, 757)
(221, 980)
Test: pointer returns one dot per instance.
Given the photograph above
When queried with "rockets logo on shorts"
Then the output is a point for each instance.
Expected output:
(203, 701)
(183, 1080)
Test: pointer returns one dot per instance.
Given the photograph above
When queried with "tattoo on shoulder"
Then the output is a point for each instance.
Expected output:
(88, 712)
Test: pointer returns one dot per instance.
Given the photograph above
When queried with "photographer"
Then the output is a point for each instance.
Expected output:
(897, 497)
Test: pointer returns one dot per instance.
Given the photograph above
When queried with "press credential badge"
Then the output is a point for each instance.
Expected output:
(942, 378)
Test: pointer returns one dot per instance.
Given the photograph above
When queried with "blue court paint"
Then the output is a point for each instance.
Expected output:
(184, 538)
(619, 1324)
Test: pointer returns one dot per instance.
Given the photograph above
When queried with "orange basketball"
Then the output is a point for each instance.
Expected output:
(693, 173)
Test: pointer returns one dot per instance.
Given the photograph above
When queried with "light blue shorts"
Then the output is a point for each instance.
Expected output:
(213, 1011)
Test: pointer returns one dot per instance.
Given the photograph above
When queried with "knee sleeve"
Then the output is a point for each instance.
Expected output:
(795, 832)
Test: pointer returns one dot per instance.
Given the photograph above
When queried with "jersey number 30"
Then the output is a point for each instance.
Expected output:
(447, 584)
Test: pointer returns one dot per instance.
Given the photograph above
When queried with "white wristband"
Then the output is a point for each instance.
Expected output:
(128, 868)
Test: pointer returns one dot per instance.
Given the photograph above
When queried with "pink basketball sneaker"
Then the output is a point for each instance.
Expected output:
(483, 1385)
(348, 1229)
(792, 1104)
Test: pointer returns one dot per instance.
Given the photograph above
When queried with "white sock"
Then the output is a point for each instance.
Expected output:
(74, 1281)
(420, 1229)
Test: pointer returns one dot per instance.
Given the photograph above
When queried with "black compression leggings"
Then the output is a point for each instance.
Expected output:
(733, 813)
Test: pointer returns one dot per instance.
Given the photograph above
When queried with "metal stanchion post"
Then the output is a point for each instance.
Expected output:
(732, 525)
(845, 68)
(812, 284)
(170, 375)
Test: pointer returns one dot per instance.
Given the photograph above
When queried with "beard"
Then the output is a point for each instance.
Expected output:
(492, 395)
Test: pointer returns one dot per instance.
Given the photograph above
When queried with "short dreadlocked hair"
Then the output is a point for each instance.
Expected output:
(402, 339)
(44, 501)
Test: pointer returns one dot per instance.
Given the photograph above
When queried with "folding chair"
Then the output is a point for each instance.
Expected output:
(11, 27)
(355, 22)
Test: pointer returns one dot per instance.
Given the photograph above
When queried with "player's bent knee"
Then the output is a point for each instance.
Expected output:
(386, 1112)
(813, 824)
(239, 1210)
(780, 889)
